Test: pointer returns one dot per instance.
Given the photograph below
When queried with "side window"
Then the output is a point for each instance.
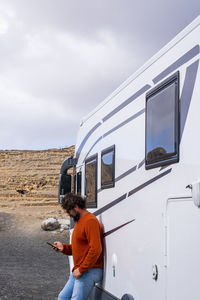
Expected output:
(91, 181)
(108, 168)
(77, 182)
(79, 179)
(162, 124)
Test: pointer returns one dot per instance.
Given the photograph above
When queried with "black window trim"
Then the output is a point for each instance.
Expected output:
(92, 204)
(112, 183)
(79, 173)
(75, 183)
(174, 156)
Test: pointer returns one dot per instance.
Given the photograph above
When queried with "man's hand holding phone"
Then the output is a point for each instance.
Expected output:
(57, 246)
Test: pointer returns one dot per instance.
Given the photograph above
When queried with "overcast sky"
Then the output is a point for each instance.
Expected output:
(61, 58)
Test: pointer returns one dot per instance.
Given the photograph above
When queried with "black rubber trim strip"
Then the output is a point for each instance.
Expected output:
(140, 187)
(127, 102)
(112, 113)
(135, 190)
(131, 170)
(126, 173)
(98, 140)
(139, 113)
(124, 122)
(117, 228)
(109, 205)
(85, 139)
(186, 57)
(141, 163)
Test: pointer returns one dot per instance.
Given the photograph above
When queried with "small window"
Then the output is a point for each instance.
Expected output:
(108, 168)
(77, 182)
(162, 124)
(91, 181)
(79, 179)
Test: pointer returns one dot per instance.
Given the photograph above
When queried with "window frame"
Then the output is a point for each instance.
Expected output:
(170, 157)
(79, 182)
(111, 183)
(92, 204)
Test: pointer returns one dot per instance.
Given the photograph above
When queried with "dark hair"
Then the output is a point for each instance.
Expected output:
(69, 201)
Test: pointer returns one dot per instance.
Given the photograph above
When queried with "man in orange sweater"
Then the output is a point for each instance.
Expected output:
(86, 249)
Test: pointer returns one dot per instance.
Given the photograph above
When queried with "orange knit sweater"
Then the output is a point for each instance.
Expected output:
(86, 246)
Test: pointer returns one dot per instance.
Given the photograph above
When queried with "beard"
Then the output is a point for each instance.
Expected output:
(75, 216)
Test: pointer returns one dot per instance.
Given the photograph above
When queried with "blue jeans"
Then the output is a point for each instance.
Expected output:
(79, 289)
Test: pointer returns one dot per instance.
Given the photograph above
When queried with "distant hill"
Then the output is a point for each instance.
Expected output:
(29, 177)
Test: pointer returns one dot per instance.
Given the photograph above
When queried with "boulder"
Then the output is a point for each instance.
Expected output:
(50, 224)
(64, 223)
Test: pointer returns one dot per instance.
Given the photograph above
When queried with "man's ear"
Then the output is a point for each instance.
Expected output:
(78, 209)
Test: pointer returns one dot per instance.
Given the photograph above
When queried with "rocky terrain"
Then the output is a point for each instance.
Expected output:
(29, 268)
(30, 177)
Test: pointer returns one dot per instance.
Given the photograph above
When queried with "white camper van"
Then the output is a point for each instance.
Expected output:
(137, 160)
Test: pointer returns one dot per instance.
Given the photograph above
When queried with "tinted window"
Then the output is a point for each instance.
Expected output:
(91, 181)
(75, 183)
(107, 167)
(162, 123)
(79, 178)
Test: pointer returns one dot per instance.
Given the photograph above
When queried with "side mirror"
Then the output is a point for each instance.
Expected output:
(64, 186)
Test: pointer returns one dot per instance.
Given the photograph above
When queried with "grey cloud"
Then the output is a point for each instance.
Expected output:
(35, 126)
(69, 55)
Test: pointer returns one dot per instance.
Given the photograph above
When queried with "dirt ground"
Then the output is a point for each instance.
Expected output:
(29, 268)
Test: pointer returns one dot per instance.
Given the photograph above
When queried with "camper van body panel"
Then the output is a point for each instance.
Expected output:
(133, 212)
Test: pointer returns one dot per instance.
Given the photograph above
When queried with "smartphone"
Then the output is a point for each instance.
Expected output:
(52, 246)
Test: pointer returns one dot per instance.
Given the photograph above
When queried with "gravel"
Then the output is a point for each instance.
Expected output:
(29, 268)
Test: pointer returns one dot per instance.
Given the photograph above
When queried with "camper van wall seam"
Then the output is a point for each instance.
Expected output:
(179, 62)
(85, 139)
(140, 187)
(109, 205)
(185, 100)
(98, 124)
(131, 170)
(143, 90)
(124, 122)
(128, 172)
(98, 140)
(135, 190)
(186, 57)
(114, 129)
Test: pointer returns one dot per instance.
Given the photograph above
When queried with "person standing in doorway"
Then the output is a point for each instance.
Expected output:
(86, 249)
